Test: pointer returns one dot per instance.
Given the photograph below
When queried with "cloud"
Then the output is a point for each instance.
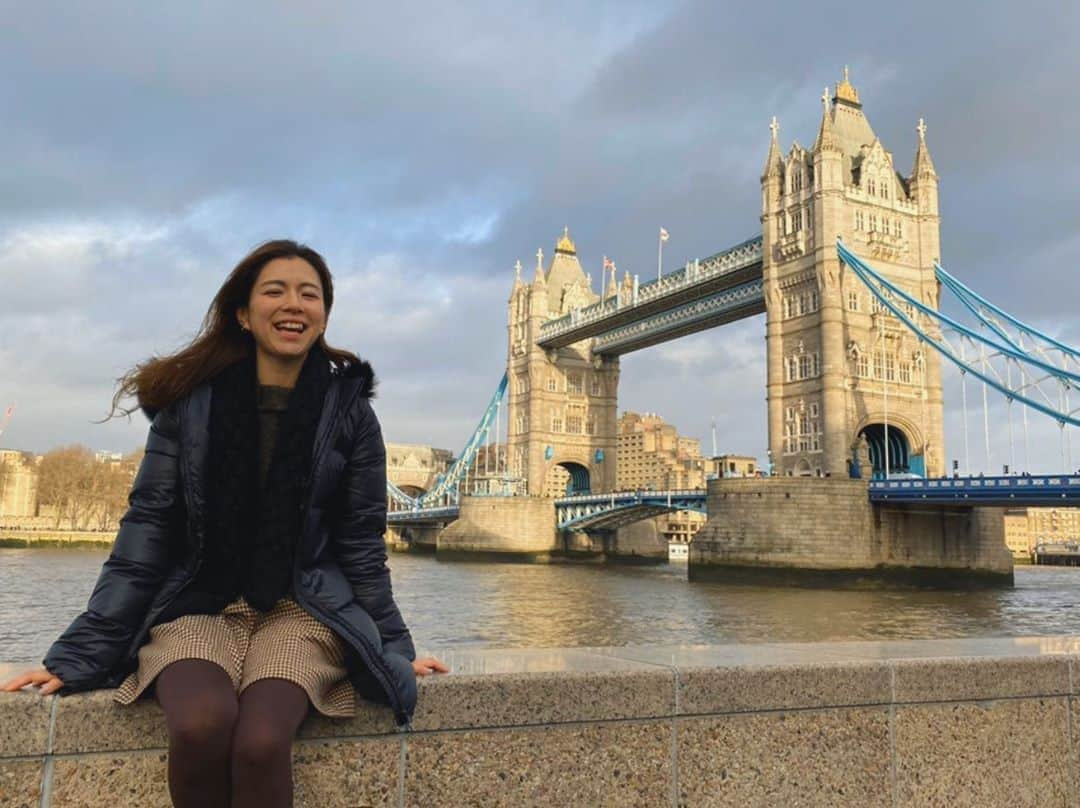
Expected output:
(425, 148)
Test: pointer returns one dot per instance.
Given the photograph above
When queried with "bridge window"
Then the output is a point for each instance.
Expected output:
(905, 372)
(898, 229)
(590, 425)
(813, 409)
(796, 221)
(556, 421)
(573, 383)
(551, 385)
(871, 188)
(860, 220)
(796, 181)
(853, 300)
(862, 366)
(873, 223)
(595, 387)
(575, 418)
(879, 365)
(885, 188)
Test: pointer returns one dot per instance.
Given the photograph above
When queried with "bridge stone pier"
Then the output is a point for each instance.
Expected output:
(806, 531)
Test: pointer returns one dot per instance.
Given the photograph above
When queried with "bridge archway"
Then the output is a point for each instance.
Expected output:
(566, 479)
(899, 449)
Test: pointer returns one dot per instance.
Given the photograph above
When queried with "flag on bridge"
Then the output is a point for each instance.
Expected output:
(664, 235)
(608, 264)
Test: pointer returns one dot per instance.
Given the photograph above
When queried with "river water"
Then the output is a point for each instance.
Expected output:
(485, 604)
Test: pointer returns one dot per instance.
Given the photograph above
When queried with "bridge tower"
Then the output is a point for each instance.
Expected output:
(842, 373)
(561, 413)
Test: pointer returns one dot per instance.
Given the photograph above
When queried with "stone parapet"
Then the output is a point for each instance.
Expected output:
(960, 722)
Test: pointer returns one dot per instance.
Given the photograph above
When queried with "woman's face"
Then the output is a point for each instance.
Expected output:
(286, 312)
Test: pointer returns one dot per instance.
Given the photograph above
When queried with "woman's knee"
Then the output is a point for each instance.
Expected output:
(203, 723)
(258, 744)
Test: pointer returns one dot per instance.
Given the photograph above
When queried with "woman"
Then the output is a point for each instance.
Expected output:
(248, 579)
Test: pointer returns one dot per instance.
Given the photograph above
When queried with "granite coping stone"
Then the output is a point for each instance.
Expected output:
(527, 686)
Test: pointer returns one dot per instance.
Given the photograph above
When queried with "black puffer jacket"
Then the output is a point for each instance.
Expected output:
(340, 575)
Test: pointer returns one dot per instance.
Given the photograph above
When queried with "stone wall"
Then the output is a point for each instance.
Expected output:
(11, 537)
(825, 525)
(960, 723)
(520, 526)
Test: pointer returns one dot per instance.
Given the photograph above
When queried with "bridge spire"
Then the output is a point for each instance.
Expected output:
(826, 138)
(846, 92)
(774, 162)
(538, 278)
(924, 166)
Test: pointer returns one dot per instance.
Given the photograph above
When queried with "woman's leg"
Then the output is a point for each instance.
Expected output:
(200, 707)
(271, 711)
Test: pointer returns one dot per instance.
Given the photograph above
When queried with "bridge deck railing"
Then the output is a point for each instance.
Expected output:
(696, 271)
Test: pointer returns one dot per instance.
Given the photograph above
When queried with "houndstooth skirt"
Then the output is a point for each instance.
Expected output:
(283, 643)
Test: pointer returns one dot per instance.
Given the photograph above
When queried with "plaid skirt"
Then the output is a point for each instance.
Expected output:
(283, 643)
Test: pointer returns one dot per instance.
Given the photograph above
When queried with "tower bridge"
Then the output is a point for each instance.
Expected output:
(847, 271)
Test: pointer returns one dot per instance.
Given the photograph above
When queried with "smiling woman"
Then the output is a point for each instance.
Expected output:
(248, 582)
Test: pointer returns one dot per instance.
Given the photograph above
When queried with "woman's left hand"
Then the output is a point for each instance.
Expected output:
(429, 665)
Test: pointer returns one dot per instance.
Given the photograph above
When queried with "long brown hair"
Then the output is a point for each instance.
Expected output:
(161, 380)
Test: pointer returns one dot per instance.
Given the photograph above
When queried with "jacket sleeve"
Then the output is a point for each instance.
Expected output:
(141, 557)
(361, 548)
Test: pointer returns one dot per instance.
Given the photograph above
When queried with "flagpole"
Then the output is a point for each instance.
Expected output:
(659, 257)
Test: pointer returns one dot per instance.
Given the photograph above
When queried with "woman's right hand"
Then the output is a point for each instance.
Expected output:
(46, 682)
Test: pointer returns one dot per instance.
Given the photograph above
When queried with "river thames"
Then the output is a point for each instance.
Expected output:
(488, 605)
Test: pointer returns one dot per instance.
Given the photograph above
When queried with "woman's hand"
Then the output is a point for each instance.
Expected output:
(428, 665)
(45, 681)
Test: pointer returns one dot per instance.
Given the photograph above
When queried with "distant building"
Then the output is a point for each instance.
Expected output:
(732, 465)
(650, 454)
(18, 484)
(413, 467)
(1025, 528)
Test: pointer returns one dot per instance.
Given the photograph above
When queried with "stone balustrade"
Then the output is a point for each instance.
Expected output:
(942, 722)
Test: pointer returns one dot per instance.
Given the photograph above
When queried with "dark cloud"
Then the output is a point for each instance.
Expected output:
(425, 148)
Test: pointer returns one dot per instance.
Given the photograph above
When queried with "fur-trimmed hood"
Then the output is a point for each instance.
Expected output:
(360, 370)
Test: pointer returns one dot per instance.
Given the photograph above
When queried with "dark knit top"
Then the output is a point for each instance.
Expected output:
(200, 597)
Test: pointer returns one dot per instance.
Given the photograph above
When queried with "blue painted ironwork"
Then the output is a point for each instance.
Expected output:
(992, 316)
(423, 515)
(698, 279)
(941, 327)
(740, 301)
(447, 486)
(1040, 490)
(610, 511)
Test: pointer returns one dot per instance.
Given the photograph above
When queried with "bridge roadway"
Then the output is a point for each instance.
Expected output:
(703, 294)
(1044, 490)
(602, 512)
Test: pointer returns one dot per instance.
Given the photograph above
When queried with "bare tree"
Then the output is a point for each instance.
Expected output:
(65, 481)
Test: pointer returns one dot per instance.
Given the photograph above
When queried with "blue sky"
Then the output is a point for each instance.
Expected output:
(424, 149)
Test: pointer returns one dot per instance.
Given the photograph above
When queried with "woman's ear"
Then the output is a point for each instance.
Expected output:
(242, 318)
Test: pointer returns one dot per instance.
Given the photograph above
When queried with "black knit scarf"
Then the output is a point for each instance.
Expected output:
(252, 533)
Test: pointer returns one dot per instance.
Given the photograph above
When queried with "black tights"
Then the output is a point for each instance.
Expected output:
(228, 751)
